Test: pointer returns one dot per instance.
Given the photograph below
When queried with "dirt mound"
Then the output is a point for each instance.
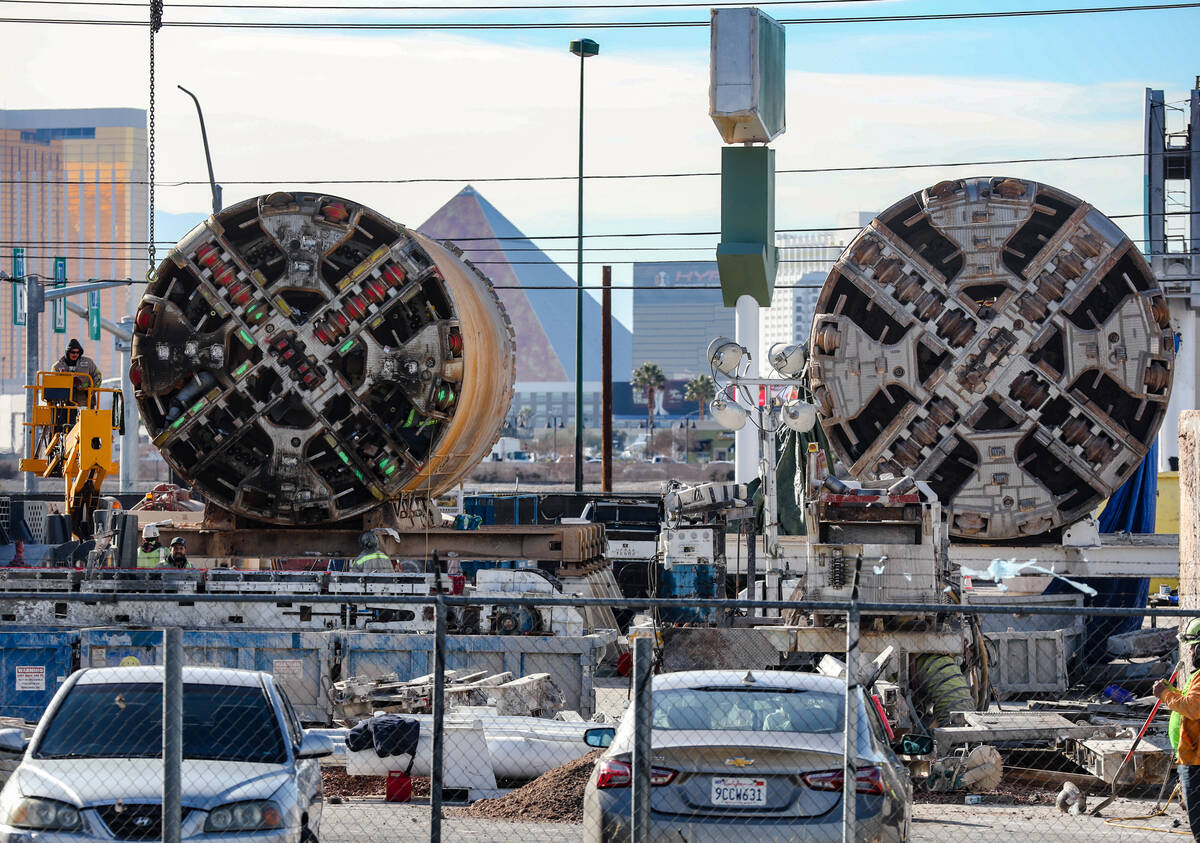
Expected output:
(555, 796)
(338, 784)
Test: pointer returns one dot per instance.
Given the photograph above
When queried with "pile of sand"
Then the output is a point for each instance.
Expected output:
(554, 796)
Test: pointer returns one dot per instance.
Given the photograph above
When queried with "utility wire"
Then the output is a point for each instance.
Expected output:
(446, 8)
(564, 287)
(531, 237)
(805, 171)
(599, 176)
(446, 26)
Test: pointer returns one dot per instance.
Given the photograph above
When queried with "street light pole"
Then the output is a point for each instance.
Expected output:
(583, 48)
(554, 422)
(212, 181)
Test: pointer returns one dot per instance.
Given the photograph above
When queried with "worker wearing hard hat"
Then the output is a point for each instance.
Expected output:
(177, 555)
(371, 559)
(87, 373)
(150, 551)
(1185, 726)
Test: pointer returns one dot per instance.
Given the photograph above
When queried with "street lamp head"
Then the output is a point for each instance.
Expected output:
(725, 355)
(584, 48)
(728, 414)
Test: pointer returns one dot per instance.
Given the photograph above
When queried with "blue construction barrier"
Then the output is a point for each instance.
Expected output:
(33, 665)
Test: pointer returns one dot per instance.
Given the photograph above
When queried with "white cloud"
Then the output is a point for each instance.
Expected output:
(289, 106)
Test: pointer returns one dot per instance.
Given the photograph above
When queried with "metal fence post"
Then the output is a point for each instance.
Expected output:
(850, 746)
(642, 708)
(172, 733)
(751, 563)
(439, 714)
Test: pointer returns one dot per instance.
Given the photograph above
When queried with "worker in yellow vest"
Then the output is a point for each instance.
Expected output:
(371, 559)
(1184, 727)
(150, 551)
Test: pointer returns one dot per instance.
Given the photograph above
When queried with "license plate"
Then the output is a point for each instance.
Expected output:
(750, 793)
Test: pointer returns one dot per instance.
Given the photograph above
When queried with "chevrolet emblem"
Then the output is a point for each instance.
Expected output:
(738, 762)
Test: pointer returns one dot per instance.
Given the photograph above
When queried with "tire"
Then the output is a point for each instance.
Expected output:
(307, 835)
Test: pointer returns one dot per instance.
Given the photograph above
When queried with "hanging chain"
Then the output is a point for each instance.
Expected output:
(156, 13)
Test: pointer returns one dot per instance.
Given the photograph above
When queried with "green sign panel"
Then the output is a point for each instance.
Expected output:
(94, 315)
(20, 293)
(60, 305)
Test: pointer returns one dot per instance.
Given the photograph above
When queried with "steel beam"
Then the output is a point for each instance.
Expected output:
(568, 543)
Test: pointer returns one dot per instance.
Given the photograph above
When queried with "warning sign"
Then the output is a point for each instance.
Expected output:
(30, 678)
(285, 669)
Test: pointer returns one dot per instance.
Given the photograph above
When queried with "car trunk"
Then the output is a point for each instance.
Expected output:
(750, 782)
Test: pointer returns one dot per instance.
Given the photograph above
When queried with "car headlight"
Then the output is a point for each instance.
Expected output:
(258, 815)
(44, 815)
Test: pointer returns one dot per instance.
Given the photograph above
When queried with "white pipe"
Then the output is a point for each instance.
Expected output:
(1183, 387)
(520, 747)
(746, 453)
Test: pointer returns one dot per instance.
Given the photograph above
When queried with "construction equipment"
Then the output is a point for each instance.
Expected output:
(988, 360)
(301, 360)
(71, 437)
(1003, 341)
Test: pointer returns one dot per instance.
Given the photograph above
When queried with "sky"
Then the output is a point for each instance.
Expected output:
(287, 107)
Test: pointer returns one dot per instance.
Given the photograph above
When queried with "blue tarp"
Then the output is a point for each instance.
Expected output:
(1131, 509)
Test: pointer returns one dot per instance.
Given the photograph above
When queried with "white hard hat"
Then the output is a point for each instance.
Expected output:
(150, 532)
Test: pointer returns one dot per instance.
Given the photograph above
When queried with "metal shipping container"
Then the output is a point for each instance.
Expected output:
(299, 661)
(33, 664)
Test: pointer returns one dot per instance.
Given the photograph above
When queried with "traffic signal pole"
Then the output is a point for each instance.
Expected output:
(36, 297)
(34, 303)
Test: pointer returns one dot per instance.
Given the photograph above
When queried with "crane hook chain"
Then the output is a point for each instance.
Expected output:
(156, 14)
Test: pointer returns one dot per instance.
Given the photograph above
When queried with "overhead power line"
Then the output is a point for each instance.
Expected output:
(595, 25)
(531, 237)
(570, 288)
(526, 7)
(861, 168)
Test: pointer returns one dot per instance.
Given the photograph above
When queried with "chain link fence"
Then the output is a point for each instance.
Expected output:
(440, 717)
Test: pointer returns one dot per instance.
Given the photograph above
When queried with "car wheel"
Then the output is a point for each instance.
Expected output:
(307, 835)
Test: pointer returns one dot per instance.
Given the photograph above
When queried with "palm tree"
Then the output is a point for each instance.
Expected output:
(649, 378)
(701, 389)
(524, 416)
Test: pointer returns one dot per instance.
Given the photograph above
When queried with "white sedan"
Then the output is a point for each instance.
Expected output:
(93, 768)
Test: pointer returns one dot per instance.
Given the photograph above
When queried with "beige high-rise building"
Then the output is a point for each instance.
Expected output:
(72, 185)
(805, 259)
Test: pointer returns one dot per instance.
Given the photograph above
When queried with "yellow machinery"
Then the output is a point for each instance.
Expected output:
(71, 437)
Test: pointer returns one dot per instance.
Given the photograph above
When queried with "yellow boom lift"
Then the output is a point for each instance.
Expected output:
(71, 437)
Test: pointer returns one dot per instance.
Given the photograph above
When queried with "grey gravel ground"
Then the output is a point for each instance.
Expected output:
(375, 821)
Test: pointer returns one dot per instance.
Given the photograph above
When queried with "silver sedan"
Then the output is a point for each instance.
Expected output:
(750, 756)
(93, 769)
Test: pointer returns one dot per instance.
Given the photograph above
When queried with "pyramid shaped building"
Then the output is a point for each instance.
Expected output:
(540, 299)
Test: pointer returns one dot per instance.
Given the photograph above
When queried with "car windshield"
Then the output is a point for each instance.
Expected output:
(124, 720)
(749, 709)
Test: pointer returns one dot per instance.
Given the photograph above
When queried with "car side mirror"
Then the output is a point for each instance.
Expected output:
(599, 738)
(915, 745)
(13, 742)
(314, 745)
